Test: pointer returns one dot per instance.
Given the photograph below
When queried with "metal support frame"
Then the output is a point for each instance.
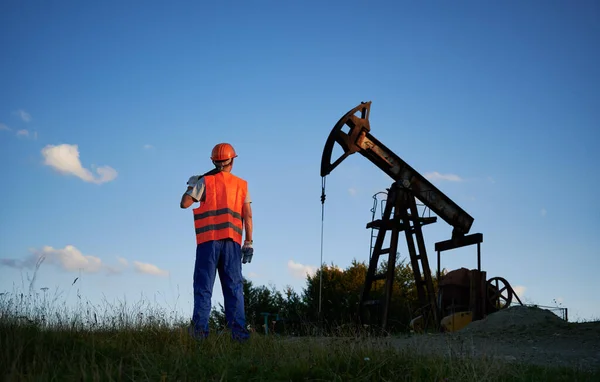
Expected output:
(400, 210)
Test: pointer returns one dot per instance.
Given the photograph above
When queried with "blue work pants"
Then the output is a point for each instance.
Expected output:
(224, 256)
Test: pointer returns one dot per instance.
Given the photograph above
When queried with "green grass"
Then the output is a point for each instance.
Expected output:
(127, 343)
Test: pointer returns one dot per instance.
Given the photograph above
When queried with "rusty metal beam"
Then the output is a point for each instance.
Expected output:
(358, 139)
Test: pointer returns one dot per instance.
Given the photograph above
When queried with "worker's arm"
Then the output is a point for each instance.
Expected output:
(186, 199)
(194, 192)
(247, 216)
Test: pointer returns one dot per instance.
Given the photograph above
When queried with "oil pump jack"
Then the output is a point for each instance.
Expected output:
(463, 295)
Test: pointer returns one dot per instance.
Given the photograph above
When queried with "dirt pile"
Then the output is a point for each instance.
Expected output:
(518, 334)
(515, 318)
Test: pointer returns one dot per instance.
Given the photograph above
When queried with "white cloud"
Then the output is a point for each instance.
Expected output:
(543, 212)
(72, 259)
(519, 290)
(64, 158)
(28, 262)
(106, 173)
(352, 191)
(25, 116)
(68, 258)
(299, 270)
(22, 133)
(491, 180)
(149, 269)
(148, 147)
(252, 275)
(437, 176)
(26, 134)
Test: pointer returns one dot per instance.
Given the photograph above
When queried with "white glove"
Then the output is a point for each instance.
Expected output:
(193, 180)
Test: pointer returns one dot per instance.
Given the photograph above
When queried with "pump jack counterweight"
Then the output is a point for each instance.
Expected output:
(352, 133)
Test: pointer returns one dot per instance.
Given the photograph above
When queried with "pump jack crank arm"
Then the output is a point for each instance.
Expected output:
(359, 139)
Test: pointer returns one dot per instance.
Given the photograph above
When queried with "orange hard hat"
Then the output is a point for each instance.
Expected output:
(222, 151)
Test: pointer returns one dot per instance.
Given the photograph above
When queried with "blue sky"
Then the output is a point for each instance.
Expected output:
(107, 109)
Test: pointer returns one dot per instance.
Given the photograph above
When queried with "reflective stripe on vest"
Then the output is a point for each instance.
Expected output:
(220, 214)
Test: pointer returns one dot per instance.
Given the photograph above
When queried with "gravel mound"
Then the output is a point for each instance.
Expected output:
(515, 318)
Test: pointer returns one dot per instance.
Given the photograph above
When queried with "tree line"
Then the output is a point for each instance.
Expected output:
(298, 314)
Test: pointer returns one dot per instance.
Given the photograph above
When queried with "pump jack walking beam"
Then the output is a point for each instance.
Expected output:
(352, 133)
(359, 139)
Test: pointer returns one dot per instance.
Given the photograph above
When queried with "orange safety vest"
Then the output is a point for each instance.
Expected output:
(219, 216)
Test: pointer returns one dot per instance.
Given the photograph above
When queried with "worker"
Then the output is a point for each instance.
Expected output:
(223, 214)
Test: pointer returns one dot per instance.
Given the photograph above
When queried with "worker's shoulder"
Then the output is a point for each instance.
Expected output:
(228, 177)
(242, 181)
(236, 177)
